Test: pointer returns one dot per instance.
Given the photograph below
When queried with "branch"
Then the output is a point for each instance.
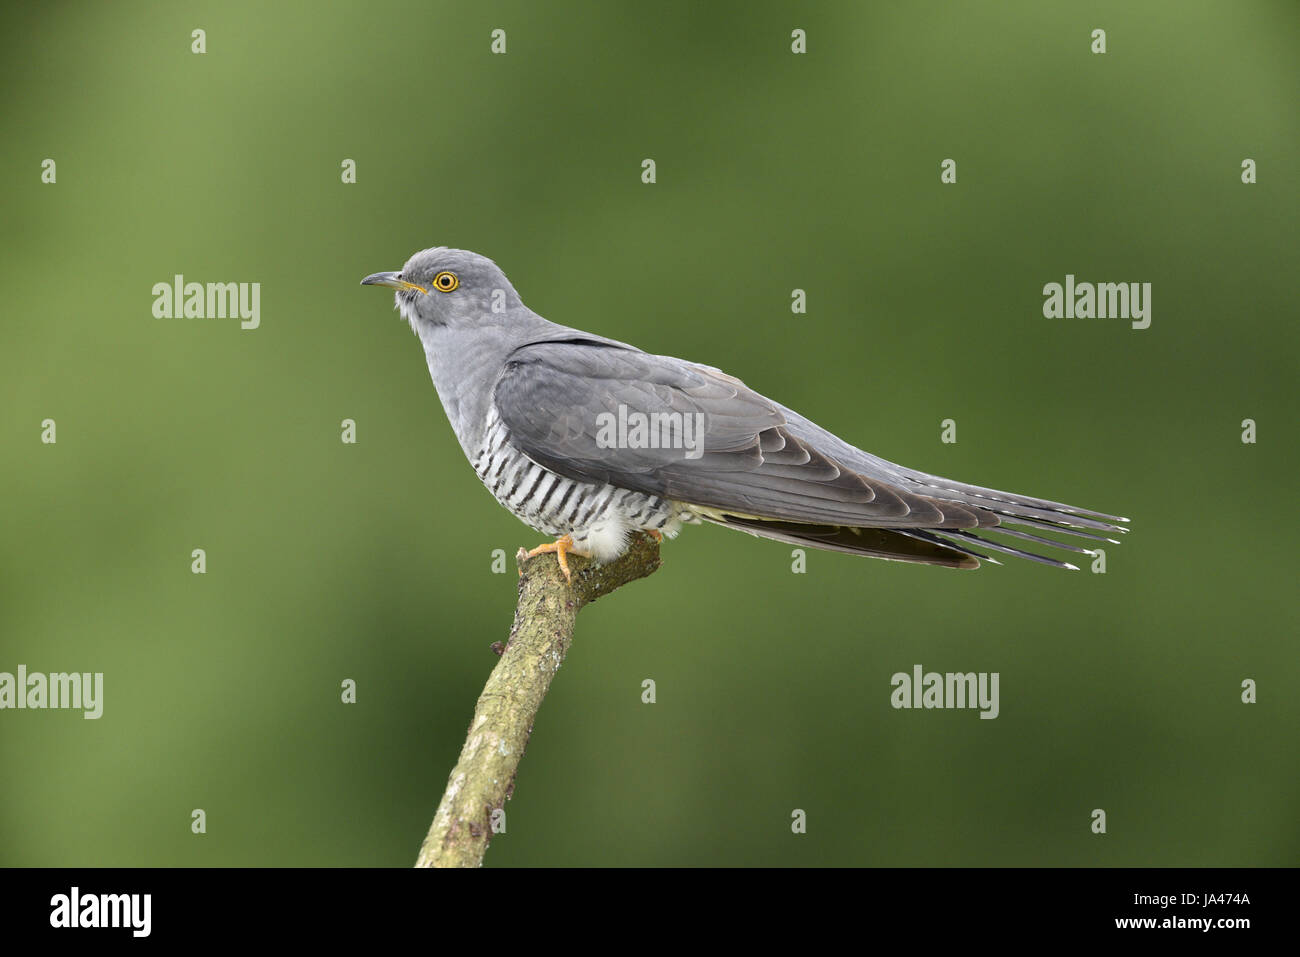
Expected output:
(484, 777)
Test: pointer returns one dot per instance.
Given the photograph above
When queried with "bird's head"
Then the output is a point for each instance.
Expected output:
(449, 287)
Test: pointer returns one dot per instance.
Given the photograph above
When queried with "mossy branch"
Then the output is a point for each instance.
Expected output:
(484, 777)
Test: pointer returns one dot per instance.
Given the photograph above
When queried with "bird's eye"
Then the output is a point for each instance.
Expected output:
(445, 281)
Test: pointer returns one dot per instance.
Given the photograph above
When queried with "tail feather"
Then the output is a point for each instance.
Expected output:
(1008, 550)
(1010, 502)
(930, 536)
(950, 547)
(1039, 539)
(887, 543)
(1052, 527)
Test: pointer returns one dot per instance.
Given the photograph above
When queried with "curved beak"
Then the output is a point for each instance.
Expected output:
(392, 280)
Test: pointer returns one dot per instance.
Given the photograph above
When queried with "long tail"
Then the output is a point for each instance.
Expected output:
(888, 543)
(950, 547)
(956, 541)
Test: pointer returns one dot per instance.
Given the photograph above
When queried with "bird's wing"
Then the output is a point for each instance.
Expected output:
(753, 462)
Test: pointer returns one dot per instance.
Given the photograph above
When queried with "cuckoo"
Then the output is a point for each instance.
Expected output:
(586, 439)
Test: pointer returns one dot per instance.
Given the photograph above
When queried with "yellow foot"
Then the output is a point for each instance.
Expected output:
(654, 533)
(563, 547)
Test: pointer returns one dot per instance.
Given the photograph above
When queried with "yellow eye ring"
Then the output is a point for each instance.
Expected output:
(445, 281)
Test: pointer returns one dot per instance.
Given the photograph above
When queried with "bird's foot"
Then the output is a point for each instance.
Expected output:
(654, 533)
(563, 547)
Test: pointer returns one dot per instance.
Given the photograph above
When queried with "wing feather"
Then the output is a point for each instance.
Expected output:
(753, 457)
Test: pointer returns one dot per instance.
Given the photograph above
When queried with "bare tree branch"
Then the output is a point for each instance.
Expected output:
(484, 777)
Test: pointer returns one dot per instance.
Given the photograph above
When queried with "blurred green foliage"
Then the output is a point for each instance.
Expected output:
(775, 171)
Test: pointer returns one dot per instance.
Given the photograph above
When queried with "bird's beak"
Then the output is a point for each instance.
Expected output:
(392, 281)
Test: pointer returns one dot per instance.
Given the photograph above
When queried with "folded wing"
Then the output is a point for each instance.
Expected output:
(746, 461)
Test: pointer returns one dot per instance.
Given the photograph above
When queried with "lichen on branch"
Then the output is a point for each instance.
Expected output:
(545, 614)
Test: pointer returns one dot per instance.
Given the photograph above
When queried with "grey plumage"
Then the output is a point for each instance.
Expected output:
(527, 399)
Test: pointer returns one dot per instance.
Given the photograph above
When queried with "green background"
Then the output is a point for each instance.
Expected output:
(775, 171)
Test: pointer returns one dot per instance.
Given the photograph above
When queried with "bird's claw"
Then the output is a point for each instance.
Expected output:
(563, 548)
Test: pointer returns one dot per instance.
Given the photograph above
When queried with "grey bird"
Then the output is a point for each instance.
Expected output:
(587, 439)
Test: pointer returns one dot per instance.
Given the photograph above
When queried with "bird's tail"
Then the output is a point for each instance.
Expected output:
(888, 543)
(950, 547)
